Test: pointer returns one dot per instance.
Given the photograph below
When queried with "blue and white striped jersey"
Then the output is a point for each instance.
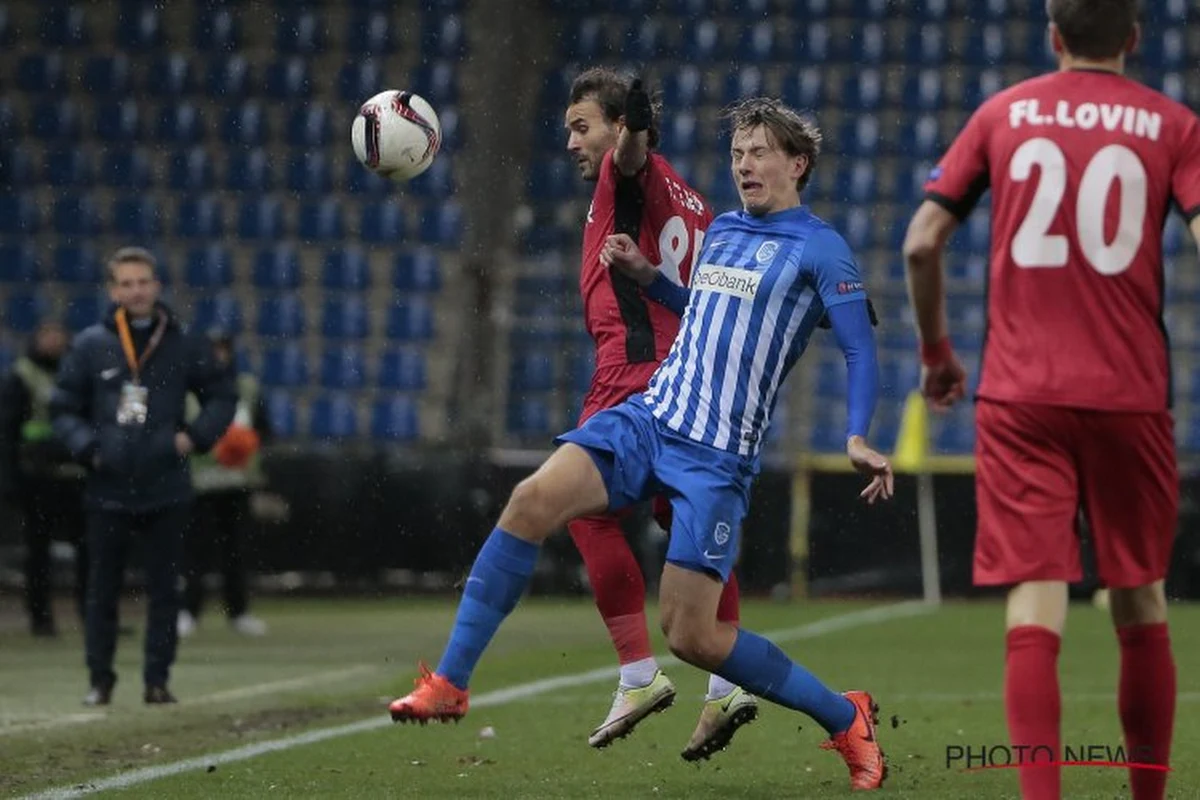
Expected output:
(759, 289)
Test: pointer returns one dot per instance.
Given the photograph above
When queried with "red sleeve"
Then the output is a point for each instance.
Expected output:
(1185, 182)
(961, 177)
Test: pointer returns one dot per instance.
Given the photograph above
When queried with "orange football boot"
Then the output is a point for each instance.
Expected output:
(858, 745)
(435, 698)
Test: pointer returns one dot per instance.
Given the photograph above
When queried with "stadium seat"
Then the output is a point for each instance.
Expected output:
(345, 317)
(401, 370)
(170, 76)
(76, 216)
(443, 37)
(587, 40)
(334, 416)
(814, 44)
(437, 181)
(927, 45)
(277, 267)
(310, 126)
(137, 217)
(682, 88)
(746, 81)
(702, 41)
(644, 39)
(117, 122)
(359, 80)
(382, 223)
(321, 221)
(289, 79)
(18, 263)
(531, 371)
(370, 33)
(309, 173)
(282, 414)
(528, 416)
(410, 320)
(107, 76)
(301, 33)
(139, 27)
(209, 267)
(285, 366)
(346, 269)
(192, 170)
(180, 123)
(216, 30)
(65, 26)
(23, 311)
(417, 271)
(56, 120)
(18, 214)
(552, 177)
(281, 316)
(228, 78)
(65, 168)
(924, 91)
(218, 311)
(249, 171)
(84, 310)
(246, 124)
(201, 217)
(441, 224)
(343, 367)
(261, 219)
(871, 45)
(395, 419)
(758, 42)
(10, 122)
(76, 264)
(40, 72)
(126, 169)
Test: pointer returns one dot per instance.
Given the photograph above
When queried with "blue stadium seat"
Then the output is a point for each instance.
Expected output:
(19, 214)
(644, 39)
(921, 138)
(84, 310)
(10, 121)
(382, 223)
(23, 311)
(281, 316)
(345, 317)
(934, 10)
(138, 217)
(395, 419)
(65, 26)
(410, 319)
(370, 33)
(139, 28)
(56, 120)
(702, 41)
(76, 216)
(871, 45)
(553, 177)
(126, 169)
(282, 413)
(927, 45)
(343, 367)
(805, 89)
(201, 217)
(452, 130)
(859, 229)
(170, 76)
(898, 376)
(107, 76)
(285, 366)
(924, 91)
(682, 88)
(744, 82)
(18, 263)
(67, 167)
(358, 81)
(581, 365)
(443, 37)
(956, 436)
(117, 122)
(277, 267)
(758, 42)
(321, 221)
(218, 311)
(417, 271)
(437, 181)
(987, 45)
(228, 77)
(40, 72)
(249, 171)
(261, 219)
(861, 136)
(309, 173)
(528, 416)
(301, 33)
(289, 79)
(587, 41)
(181, 123)
(531, 371)
(441, 224)
(310, 126)
(401, 370)
(346, 268)
(814, 44)
(6, 30)
(209, 267)
(980, 87)
(246, 124)
(334, 416)
(216, 30)
(863, 90)
(77, 264)
(192, 170)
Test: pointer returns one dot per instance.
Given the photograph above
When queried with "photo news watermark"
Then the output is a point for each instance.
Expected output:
(972, 758)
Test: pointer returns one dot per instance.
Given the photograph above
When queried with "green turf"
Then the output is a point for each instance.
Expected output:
(937, 677)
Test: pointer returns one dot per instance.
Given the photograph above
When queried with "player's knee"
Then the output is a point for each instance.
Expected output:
(1141, 605)
(527, 514)
(691, 642)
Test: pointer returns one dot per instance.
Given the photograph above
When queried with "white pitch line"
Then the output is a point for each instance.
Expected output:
(521, 691)
(49, 723)
(288, 685)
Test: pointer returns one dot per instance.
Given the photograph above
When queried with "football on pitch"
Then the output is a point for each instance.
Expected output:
(396, 135)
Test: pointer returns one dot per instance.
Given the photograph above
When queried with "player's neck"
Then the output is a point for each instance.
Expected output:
(1067, 63)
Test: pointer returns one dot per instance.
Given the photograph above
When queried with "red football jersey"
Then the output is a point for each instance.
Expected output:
(1083, 166)
(667, 218)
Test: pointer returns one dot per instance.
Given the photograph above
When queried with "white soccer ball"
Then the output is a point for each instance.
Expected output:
(396, 135)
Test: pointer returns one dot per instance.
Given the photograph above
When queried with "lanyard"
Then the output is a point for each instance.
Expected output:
(135, 363)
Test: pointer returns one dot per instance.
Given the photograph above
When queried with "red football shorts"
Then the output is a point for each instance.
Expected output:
(1037, 466)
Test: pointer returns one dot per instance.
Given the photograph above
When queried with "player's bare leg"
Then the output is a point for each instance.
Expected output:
(567, 485)
(1036, 614)
(1146, 696)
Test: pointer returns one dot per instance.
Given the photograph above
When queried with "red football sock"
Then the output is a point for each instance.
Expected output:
(1146, 699)
(617, 584)
(1033, 705)
(729, 608)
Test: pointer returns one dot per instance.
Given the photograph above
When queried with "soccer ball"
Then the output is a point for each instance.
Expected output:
(396, 135)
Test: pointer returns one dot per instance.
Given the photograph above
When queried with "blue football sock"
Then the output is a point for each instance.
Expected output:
(497, 581)
(761, 668)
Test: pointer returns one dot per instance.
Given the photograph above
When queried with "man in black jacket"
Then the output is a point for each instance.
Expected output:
(38, 475)
(119, 406)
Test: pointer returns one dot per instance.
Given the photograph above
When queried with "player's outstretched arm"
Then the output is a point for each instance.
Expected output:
(622, 252)
(633, 142)
(943, 380)
(851, 323)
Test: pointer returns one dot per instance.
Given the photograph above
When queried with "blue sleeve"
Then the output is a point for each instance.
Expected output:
(831, 267)
(851, 324)
(668, 293)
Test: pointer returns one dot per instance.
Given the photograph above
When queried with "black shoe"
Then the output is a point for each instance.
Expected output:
(100, 695)
(158, 695)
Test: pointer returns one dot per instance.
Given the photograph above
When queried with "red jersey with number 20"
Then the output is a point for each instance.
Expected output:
(667, 218)
(1083, 166)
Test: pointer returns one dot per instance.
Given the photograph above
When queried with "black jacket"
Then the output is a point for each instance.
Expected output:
(136, 468)
(22, 461)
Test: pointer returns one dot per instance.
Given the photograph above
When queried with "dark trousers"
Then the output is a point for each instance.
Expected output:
(51, 509)
(216, 534)
(111, 536)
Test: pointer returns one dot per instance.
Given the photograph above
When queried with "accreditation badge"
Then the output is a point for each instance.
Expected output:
(133, 407)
